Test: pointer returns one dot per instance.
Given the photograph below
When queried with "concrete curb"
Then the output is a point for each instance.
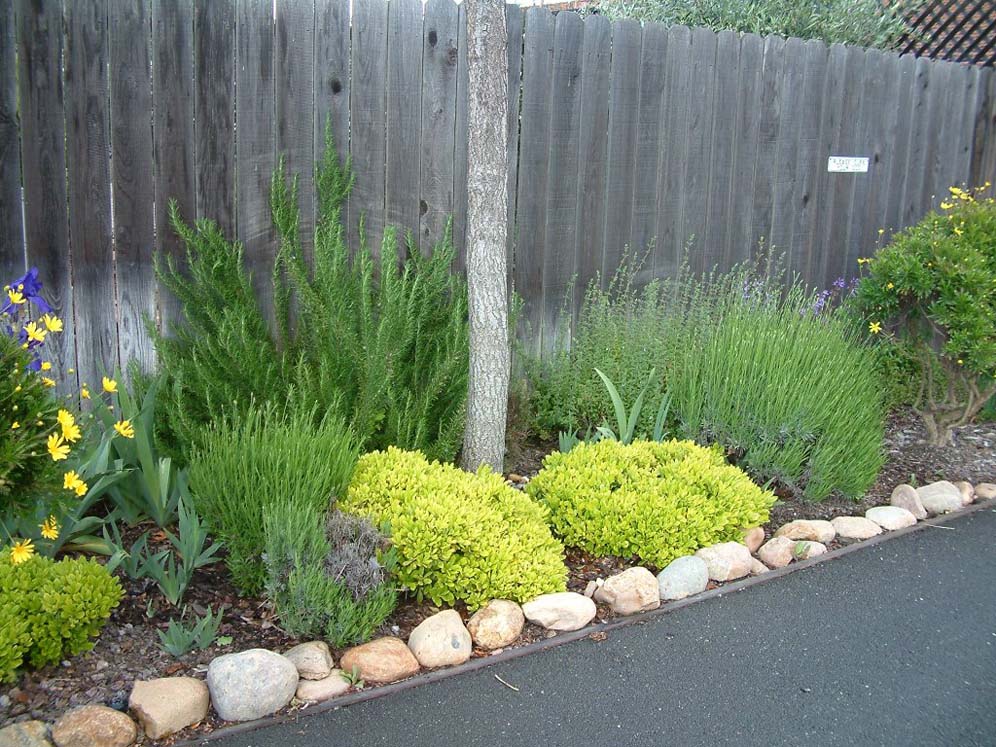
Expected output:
(577, 635)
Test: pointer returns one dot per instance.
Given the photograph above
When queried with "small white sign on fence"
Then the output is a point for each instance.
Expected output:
(847, 165)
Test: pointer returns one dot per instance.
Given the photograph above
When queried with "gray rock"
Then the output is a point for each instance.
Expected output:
(318, 691)
(497, 624)
(634, 590)
(312, 659)
(726, 561)
(941, 497)
(25, 734)
(167, 705)
(441, 640)
(906, 497)
(251, 684)
(985, 491)
(94, 726)
(564, 610)
(890, 517)
(855, 527)
(811, 530)
(683, 577)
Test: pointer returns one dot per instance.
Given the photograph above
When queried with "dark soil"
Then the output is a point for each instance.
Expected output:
(129, 649)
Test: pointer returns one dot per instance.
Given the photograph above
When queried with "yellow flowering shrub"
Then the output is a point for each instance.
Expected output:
(654, 500)
(458, 536)
(50, 610)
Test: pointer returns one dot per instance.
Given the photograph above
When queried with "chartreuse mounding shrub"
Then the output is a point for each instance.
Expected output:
(458, 536)
(653, 500)
(50, 610)
(930, 297)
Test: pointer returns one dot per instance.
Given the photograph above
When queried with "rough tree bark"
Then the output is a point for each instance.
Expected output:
(487, 401)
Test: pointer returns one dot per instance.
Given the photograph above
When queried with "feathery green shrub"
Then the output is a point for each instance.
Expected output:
(655, 500)
(459, 537)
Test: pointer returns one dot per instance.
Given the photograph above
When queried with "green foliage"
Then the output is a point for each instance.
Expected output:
(262, 459)
(866, 23)
(27, 417)
(178, 639)
(459, 537)
(187, 546)
(654, 500)
(50, 610)
(326, 578)
(384, 345)
(931, 295)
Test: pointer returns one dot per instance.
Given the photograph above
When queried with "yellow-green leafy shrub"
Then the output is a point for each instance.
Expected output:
(50, 610)
(458, 536)
(657, 501)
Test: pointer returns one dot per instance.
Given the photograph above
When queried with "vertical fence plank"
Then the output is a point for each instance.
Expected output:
(701, 113)
(914, 174)
(514, 20)
(869, 116)
(974, 95)
(294, 72)
(899, 142)
(596, 59)
(748, 121)
(767, 143)
(935, 159)
(332, 83)
(786, 153)
(214, 80)
(650, 102)
(983, 167)
(367, 121)
(11, 227)
(810, 160)
(43, 153)
(537, 61)
(460, 144)
(255, 143)
(404, 89)
(88, 158)
(560, 201)
(881, 112)
(173, 147)
(437, 121)
(133, 183)
(724, 135)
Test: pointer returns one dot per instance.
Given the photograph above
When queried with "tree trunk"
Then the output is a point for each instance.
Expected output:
(487, 156)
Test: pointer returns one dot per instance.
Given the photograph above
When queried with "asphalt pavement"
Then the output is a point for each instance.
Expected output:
(894, 644)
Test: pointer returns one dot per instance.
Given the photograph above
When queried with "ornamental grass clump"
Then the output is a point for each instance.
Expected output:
(653, 500)
(930, 297)
(458, 536)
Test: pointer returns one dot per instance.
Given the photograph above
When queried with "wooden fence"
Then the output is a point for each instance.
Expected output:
(619, 136)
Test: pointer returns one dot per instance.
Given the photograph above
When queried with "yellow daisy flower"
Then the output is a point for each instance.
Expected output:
(84, 392)
(16, 297)
(34, 332)
(15, 425)
(52, 323)
(46, 366)
(48, 382)
(874, 328)
(57, 447)
(49, 528)
(125, 428)
(110, 385)
(21, 551)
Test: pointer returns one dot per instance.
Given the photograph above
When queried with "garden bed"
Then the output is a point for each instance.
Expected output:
(128, 649)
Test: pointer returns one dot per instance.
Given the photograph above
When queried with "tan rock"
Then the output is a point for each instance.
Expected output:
(313, 660)
(777, 552)
(757, 567)
(754, 538)
(726, 561)
(385, 659)
(967, 492)
(165, 706)
(806, 549)
(634, 590)
(905, 497)
(94, 726)
(985, 491)
(890, 517)
(497, 624)
(941, 497)
(25, 734)
(441, 640)
(812, 530)
(564, 610)
(318, 691)
(855, 527)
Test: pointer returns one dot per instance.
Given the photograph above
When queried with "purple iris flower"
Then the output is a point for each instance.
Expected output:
(839, 283)
(32, 292)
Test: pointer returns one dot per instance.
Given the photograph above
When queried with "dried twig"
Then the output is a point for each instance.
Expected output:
(510, 687)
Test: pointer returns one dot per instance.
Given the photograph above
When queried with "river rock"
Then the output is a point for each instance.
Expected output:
(25, 734)
(941, 497)
(890, 517)
(683, 577)
(441, 640)
(94, 726)
(312, 659)
(167, 705)
(382, 660)
(967, 492)
(634, 590)
(855, 527)
(985, 491)
(905, 496)
(811, 530)
(757, 567)
(564, 610)
(318, 691)
(754, 538)
(251, 684)
(806, 549)
(726, 561)
(497, 624)
(777, 552)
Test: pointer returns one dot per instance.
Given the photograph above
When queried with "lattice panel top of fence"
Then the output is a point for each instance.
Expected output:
(957, 30)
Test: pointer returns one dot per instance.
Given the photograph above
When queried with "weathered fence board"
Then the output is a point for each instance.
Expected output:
(619, 137)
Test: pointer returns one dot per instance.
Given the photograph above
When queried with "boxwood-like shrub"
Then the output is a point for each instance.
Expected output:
(50, 610)
(458, 536)
(654, 500)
